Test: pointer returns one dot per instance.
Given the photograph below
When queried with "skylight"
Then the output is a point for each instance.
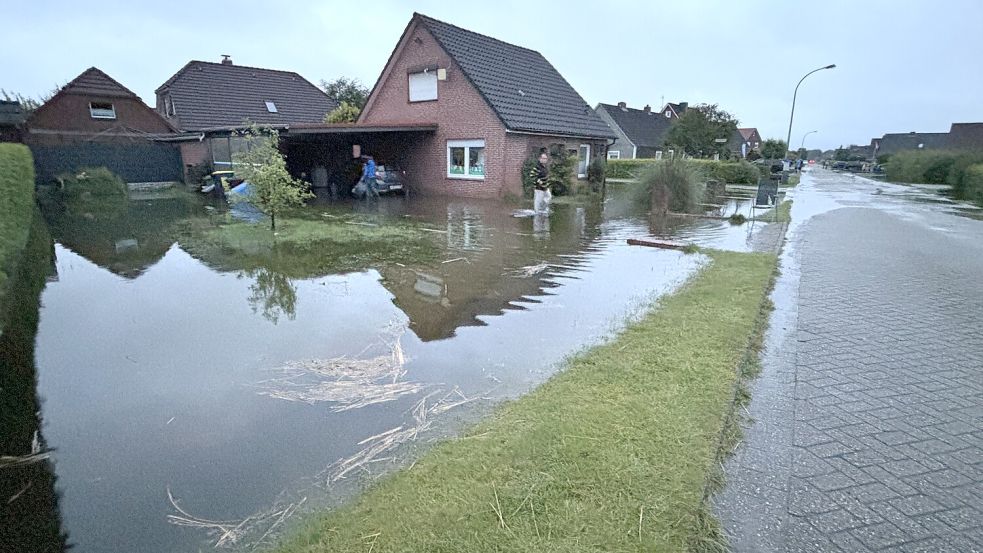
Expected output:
(270, 106)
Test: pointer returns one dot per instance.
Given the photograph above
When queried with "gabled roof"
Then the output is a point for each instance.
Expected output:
(209, 95)
(966, 136)
(645, 129)
(748, 133)
(678, 109)
(896, 142)
(526, 92)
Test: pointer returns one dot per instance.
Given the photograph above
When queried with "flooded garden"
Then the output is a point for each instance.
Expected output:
(191, 382)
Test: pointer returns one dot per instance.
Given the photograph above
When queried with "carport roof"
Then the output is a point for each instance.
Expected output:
(351, 128)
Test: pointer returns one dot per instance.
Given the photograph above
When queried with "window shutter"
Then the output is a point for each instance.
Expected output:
(423, 86)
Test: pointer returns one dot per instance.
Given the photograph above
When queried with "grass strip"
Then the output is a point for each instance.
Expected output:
(16, 207)
(615, 453)
(780, 214)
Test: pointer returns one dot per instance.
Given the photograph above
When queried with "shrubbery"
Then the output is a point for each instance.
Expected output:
(972, 183)
(939, 167)
(16, 205)
(675, 185)
(730, 172)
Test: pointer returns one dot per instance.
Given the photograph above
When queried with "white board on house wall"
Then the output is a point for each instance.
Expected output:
(423, 86)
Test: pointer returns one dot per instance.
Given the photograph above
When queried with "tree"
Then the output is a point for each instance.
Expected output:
(27, 103)
(697, 130)
(841, 154)
(272, 189)
(344, 113)
(802, 153)
(774, 149)
(348, 90)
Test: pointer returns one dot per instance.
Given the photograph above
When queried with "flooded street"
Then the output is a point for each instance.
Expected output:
(191, 399)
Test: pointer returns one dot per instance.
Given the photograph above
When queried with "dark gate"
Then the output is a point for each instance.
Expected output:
(133, 162)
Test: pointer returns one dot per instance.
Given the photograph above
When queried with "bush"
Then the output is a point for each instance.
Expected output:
(971, 186)
(730, 172)
(561, 172)
(16, 205)
(934, 167)
(344, 113)
(627, 168)
(595, 174)
(92, 181)
(674, 185)
(529, 176)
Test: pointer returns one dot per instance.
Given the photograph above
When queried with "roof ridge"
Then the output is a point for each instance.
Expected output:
(185, 67)
(428, 18)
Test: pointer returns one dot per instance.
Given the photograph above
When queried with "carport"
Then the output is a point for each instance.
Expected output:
(326, 155)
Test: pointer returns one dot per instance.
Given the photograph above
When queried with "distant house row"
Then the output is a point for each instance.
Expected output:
(643, 133)
(961, 136)
(458, 111)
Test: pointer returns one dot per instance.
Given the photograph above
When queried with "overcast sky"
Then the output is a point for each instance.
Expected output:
(901, 66)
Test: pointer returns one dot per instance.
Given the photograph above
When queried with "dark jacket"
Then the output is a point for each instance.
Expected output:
(541, 173)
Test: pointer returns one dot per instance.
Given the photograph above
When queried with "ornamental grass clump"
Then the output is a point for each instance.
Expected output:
(674, 185)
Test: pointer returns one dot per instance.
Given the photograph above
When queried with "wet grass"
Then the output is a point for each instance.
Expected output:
(615, 453)
(16, 207)
(780, 214)
(309, 243)
(793, 180)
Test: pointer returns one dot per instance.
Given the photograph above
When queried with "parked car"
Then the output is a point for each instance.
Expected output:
(389, 178)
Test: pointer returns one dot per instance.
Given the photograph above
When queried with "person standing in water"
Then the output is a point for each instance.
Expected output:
(542, 195)
(368, 177)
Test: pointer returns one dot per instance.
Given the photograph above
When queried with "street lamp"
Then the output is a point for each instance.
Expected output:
(803, 143)
(788, 138)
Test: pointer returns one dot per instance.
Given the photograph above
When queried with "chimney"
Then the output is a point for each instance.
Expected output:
(647, 108)
(226, 59)
(622, 105)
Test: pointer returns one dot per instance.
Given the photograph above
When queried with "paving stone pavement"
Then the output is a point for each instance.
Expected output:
(868, 415)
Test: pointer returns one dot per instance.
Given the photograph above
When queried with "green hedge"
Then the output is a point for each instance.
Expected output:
(731, 172)
(939, 167)
(16, 205)
(972, 183)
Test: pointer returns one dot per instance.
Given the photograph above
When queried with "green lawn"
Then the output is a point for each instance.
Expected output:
(780, 214)
(614, 453)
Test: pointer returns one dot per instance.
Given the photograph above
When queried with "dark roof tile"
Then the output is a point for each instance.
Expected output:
(524, 89)
(644, 129)
(214, 95)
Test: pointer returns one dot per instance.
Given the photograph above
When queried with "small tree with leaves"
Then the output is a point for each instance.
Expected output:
(774, 149)
(697, 130)
(344, 113)
(348, 90)
(272, 189)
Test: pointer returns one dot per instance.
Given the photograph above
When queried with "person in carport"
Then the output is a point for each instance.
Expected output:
(368, 177)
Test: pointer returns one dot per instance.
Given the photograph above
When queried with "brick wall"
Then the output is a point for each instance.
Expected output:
(70, 112)
(459, 112)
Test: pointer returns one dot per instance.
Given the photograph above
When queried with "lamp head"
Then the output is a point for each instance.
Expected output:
(830, 66)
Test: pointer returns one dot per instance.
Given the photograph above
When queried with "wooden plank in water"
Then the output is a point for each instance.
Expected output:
(663, 244)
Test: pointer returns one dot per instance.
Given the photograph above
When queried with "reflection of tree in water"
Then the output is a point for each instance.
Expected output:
(29, 515)
(273, 293)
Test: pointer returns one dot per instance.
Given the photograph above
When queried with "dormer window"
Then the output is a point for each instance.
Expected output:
(270, 106)
(668, 113)
(102, 110)
(169, 106)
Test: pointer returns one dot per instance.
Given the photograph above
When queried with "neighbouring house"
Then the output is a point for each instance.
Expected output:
(966, 136)
(95, 121)
(641, 132)
(674, 111)
(493, 105)
(897, 142)
(12, 117)
(208, 102)
(743, 141)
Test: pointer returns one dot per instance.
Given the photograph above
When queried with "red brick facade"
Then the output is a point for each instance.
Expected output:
(460, 113)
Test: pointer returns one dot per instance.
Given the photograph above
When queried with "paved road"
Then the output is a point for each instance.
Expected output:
(868, 432)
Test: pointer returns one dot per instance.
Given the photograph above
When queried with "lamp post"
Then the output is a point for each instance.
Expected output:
(803, 143)
(788, 137)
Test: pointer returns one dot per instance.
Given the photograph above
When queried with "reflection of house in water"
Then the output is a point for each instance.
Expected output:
(30, 519)
(494, 262)
(126, 237)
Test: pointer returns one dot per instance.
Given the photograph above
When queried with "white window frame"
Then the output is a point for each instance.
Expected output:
(271, 106)
(467, 145)
(101, 113)
(586, 161)
(658, 154)
(614, 154)
(424, 91)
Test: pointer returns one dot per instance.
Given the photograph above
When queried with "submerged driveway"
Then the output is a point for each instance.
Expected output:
(868, 432)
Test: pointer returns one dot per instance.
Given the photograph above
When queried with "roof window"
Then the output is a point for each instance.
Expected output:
(102, 110)
(270, 106)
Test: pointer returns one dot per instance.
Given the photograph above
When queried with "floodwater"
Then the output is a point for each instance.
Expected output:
(175, 402)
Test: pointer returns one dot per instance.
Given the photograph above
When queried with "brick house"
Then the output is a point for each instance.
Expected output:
(674, 111)
(209, 101)
(743, 141)
(641, 132)
(94, 121)
(494, 105)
